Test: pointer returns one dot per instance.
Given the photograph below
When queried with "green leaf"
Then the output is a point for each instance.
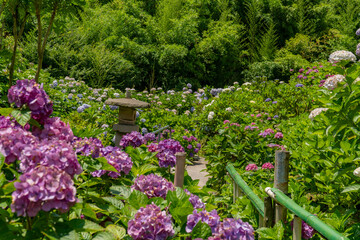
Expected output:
(351, 188)
(5, 111)
(22, 117)
(82, 225)
(201, 230)
(9, 188)
(117, 231)
(2, 179)
(106, 165)
(2, 160)
(104, 236)
(138, 199)
(87, 211)
(121, 191)
(115, 202)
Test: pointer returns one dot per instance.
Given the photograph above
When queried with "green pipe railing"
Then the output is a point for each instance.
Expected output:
(257, 202)
(160, 129)
(311, 219)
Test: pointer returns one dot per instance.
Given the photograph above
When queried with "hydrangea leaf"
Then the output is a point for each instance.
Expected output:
(6, 111)
(201, 230)
(114, 201)
(81, 225)
(106, 165)
(121, 191)
(118, 232)
(352, 188)
(138, 199)
(22, 117)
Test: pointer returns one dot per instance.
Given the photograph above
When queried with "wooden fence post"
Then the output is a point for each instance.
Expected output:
(236, 191)
(268, 212)
(179, 169)
(281, 181)
(297, 228)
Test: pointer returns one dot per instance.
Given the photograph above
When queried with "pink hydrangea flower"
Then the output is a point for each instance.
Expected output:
(279, 135)
(267, 166)
(251, 167)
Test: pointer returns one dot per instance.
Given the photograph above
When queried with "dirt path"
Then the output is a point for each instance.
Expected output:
(195, 171)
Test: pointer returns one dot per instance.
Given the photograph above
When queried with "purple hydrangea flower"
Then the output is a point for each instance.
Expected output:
(43, 188)
(267, 166)
(118, 159)
(54, 128)
(13, 140)
(279, 135)
(266, 132)
(299, 85)
(235, 229)
(167, 149)
(153, 185)
(268, 100)
(307, 231)
(88, 146)
(58, 154)
(29, 93)
(195, 200)
(149, 137)
(134, 139)
(358, 32)
(251, 167)
(150, 223)
(210, 218)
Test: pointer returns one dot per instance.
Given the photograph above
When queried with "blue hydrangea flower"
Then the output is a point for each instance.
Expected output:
(299, 85)
(268, 100)
(143, 120)
(80, 95)
(80, 109)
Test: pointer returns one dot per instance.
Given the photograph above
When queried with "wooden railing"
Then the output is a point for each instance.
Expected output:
(271, 212)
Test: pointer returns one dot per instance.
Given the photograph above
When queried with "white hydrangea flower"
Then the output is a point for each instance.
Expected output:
(357, 172)
(228, 109)
(211, 115)
(236, 83)
(246, 83)
(201, 90)
(337, 56)
(252, 101)
(116, 95)
(226, 90)
(332, 82)
(316, 112)
(187, 112)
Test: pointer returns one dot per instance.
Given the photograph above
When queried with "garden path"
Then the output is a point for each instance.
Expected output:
(195, 171)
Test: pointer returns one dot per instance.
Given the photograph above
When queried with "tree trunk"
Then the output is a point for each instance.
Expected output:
(42, 44)
(2, 25)
(17, 35)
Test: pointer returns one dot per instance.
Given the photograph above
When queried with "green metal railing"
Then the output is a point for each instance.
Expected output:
(256, 201)
(158, 132)
(311, 219)
(276, 194)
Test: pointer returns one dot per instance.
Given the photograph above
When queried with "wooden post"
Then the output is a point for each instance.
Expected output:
(268, 212)
(179, 169)
(236, 191)
(297, 228)
(281, 181)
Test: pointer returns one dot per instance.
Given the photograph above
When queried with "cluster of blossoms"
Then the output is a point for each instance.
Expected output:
(50, 153)
(211, 116)
(153, 185)
(210, 218)
(216, 91)
(43, 188)
(273, 145)
(47, 159)
(254, 167)
(166, 149)
(234, 229)
(28, 93)
(332, 81)
(88, 146)
(135, 139)
(316, 112)
(118, 159)
(266, 132)
(150, 223)
(195, 200)
(193, 146)
(54, 128)
(337, 56)
(13, 140)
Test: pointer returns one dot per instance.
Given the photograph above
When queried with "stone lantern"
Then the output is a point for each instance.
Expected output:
(127, 115)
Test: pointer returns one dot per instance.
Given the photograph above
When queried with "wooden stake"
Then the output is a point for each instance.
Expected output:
(297, 228)
(180, 169)
(281, 181)
(268, 212)
(236, 191)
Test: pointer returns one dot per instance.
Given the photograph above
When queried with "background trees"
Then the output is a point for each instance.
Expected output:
(142, 44)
